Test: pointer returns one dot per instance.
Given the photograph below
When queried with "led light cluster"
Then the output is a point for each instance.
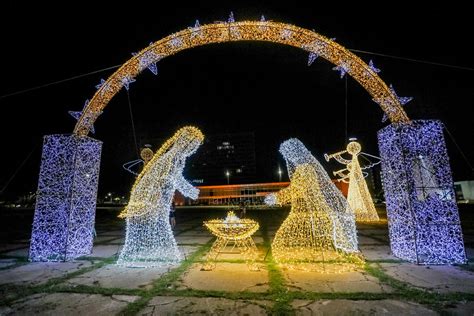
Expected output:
(63, 223)
(235, 231)
(358, 197)
(423, 217)
(320, 232)
(149, 240)
(229, 30)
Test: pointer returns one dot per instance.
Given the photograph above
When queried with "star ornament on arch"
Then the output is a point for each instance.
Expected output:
(126, 81)
(388, 102)
(102, 85)
(263, 28)
(148, 60)
(77, 115)
(343, 68)
(311, 58)
(231, 18)
(196, 30)
(373, 68)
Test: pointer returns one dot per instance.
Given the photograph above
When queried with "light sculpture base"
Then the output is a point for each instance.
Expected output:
(235, 232)
(149, 243)
(314, 251)
(64, 216)
(423, 217)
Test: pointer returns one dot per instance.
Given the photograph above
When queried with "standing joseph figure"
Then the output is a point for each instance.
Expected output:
(149, 239)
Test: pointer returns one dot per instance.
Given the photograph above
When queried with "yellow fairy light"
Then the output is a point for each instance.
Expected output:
(235, 231)
(149, 240)
(220, 32)
(319, 233)
(146, 154)
(358, 196)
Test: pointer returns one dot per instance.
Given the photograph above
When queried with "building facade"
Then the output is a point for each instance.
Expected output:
(251, 194)
(223, 159)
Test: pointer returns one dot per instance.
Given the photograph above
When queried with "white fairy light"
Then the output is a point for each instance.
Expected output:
(149, 239)
(343, 68)
(196, 30)
(423, 217)
(276, 32)
(126, 81)
(78, 114)
(358, 197)
(312, 57)
(373, 68)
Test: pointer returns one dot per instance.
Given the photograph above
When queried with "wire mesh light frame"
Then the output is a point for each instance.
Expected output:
(423, 217)
(220, 32)
(63, 223)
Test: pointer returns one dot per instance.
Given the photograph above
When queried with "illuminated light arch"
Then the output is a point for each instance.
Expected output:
(220, 32)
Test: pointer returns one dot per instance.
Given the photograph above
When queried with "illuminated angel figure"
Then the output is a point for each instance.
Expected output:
(149, 239)
(320, 228)
(358, 197)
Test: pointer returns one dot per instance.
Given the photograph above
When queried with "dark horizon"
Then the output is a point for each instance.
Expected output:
(228, 88)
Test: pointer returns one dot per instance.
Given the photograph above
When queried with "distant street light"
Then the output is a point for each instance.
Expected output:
(279, 173)
(227, 173)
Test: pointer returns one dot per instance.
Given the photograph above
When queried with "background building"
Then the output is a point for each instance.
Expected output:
(223, 159)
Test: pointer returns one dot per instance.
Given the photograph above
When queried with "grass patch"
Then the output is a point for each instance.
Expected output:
(12, 292)
(278, 289)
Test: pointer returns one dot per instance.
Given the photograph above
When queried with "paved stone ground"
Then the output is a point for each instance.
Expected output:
(223, 278)
(346, 282)
(347, 307)
(68, 304)
(442, 279)
(94, 284)
(175, 305)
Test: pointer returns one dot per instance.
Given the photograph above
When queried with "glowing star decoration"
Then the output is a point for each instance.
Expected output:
(232, 231)
(319, 233)
(276, 32)
(176, 42)
(358, 197)
(78, 114)
(233, 30)
(373, 68)
(311, 58)
(423, 217)
(149, 240)
(231, 19)
(401, 100)
(286, 34)
(148, 59)
(264, 26)
(126, 81)
(343, 68)
(101, 84)
(64, 216)
(196, 30)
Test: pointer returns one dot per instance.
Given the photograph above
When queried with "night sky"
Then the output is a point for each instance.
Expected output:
(236, 87)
